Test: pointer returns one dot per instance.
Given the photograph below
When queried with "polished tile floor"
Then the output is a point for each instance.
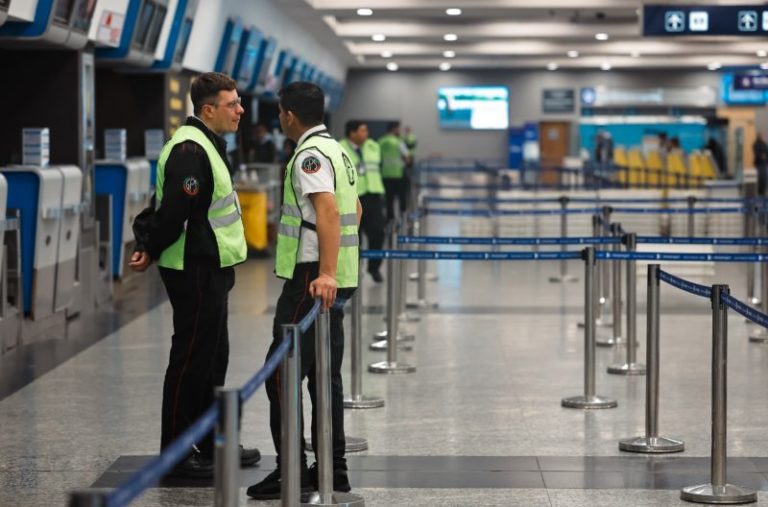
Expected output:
(478, 423)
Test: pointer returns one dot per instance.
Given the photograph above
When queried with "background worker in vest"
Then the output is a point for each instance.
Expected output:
(366, 157)
(409, 138)
(317, 255)
(394, 156)
(195, 234)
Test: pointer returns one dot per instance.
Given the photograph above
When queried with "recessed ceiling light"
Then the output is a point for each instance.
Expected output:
(714, 66)
(635, 54)
(552, 66)
(764, 65)
(450, 37)
(379, 37)
(392, 66)
(605, 66)
(445, 66)
(453, 12)
(762, 53)
(449, 54)
(573, 54)
(364, 12)
(601, 36)
(386, 54)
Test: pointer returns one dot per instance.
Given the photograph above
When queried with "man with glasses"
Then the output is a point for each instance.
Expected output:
(195, 234)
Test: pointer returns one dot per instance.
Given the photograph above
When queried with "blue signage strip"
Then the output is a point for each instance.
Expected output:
(705, 20)
(750, 81)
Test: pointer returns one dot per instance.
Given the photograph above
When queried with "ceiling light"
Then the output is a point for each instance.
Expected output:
(379, 37)
(605, 66)
(450, 37)
(453, 12)
(552, 66)
(573, 54)
(601, 36)
(449, 54)
(764, 65)
(364, 12)
(714, 66)
(386, 54)
(635, 54)
(762, 53)
(445, 66)
(392, 66)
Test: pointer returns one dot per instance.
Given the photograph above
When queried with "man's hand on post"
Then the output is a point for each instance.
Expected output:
(324, 287)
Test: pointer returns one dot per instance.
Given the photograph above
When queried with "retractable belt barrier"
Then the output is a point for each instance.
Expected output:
(594, 200)
(578, 240)
(223, 415)
(584, 211)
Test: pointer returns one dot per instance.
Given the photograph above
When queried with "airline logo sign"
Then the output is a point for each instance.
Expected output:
(705, 20)
(750, 82)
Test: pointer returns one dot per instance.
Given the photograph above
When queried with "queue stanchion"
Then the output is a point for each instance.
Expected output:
(631, 366)
(564, 276)
(226, 473)
(750, 219)
(718, 491)
(606, 271)
(616, 337)
(394, 291)
(88, 498)
(325, 495)
(408, 228)
(357, 399)
(589, 399)
(691, 217)
(290, 399)
(391, 365)
(421, 266)
(759, 333)
(652, 442)
(421, 303)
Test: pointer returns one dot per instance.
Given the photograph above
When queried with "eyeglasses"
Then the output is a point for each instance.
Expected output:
(230, 105)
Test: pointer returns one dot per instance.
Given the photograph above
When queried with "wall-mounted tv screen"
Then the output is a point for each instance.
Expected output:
(473, 107)
(155, 28)
(142, 25)
(83, 15)
(268, 48)
(181, 47)
(63, 11)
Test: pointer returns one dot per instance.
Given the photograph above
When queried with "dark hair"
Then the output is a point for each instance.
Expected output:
(392, 125)
(305, 100)
(352, 126)
(207, 86)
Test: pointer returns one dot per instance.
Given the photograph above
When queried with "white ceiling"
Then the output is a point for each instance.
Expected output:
(517, 34)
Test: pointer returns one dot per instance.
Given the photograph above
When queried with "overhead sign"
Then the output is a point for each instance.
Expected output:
(601, 96)
(558, 100)
(750, 82)
(705, 20)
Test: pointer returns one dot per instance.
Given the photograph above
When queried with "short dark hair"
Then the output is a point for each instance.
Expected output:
(352, 126)
(305, 100)
(392, 125)
(207, 86)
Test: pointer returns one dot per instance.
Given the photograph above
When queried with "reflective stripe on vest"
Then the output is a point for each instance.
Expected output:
(292, 222)
(223, 213)
(369, 181)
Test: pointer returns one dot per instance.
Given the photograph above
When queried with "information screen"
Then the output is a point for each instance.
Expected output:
(473, 107)
(142, 26)
(181, 48)
(156, 27)
(63, 11)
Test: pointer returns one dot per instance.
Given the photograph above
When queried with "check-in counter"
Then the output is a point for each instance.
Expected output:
(69, 233)
(128, 185)
(10, 286)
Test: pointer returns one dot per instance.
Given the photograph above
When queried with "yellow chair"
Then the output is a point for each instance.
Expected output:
(620, 161)
(708, 166)
(676, 175)
(655, 165)
(637, 168)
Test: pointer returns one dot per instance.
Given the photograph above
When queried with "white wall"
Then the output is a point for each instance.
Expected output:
(209, 27)
(411, 97)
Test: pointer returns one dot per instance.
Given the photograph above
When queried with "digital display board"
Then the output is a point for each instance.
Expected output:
(705, 20)
(473, 107)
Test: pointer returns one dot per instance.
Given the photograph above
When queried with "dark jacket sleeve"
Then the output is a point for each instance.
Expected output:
(187, 181)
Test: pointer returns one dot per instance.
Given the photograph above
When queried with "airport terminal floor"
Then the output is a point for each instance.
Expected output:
(479, 422)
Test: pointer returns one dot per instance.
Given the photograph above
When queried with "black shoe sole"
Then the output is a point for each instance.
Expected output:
(304, 492)
(249, 462)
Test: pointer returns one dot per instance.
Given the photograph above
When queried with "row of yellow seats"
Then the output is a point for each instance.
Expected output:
(650, 170)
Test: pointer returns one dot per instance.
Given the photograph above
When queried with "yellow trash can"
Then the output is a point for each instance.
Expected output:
(254, 206)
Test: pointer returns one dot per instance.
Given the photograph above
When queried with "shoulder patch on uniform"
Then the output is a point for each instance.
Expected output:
(191, 186)
(311, 164)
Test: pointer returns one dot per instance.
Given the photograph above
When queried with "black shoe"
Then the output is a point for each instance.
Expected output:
(340, 479)
(269, 487)
(195, 466)
(249, 457)
(376, 275)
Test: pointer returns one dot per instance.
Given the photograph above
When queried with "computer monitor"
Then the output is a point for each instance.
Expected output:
(143, 23)
(181, 46)
(155, 28)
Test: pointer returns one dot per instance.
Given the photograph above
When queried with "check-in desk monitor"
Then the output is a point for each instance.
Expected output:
(57, 23)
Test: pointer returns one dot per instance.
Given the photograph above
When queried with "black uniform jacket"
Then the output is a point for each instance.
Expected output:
(187, 192)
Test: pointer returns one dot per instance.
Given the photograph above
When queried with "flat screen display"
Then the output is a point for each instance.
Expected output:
(473, 107)
(181, 47)
(268, 46)
(142, 25)
(83, 15)
(63, 11)
(155, 27)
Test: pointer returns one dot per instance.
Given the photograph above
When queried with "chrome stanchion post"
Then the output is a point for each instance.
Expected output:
(564, 276)
(391, 365)
(290, 399)
(652, 442)
(718, 491)
(606, 272)
(751, 232)
(759, 333)
(616, 296)
(403, 313)
(393, 304)
(421, 266)
(631, 367)
(226, 490)
(357, 399)
(88, 498)
(589, 399)
(420, 276)
(691, 217)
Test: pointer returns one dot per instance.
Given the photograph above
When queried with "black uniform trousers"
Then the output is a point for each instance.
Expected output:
(372, 225)
(397, 188)
(200, 345)
(292, 305)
